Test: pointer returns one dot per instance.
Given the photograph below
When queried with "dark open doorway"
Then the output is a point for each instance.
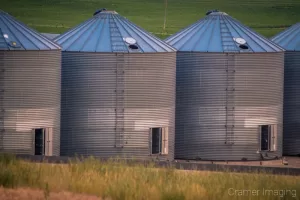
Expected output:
(39, 141)
(156, 140)
(265, 138)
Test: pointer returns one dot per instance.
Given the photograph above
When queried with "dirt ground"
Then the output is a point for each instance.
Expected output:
(32, 194)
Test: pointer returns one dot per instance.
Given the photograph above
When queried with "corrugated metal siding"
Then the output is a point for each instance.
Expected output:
(202, 99)
(89, 102)
(30, 87)
(291, 125)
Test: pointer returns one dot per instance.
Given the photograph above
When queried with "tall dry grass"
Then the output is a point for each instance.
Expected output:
(117, 180)
(35, 194)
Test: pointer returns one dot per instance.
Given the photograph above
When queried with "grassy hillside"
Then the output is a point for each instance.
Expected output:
(119, 181)
(268, 17)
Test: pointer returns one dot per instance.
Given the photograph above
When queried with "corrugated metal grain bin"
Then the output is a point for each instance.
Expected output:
(118, 90)
(30, 69)
(290, 41)
(229, 91)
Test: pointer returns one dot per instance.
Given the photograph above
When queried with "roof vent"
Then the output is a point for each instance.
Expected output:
(5, 36)
(240, 40)
(242, 43)
(212, 11)
(133, 46)
(243, 46)
(130, 40)
(14, 44)
(99, 11)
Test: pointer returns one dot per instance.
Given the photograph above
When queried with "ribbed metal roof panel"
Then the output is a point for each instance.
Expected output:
(15, 35)
(289, 38)
(50, 36)
(216, 33)
(105, 32)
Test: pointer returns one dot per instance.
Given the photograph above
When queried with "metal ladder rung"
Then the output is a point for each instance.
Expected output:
(116, 38)
(233, 48)
(121, 135)
(113, 38)
(119, 111)
(225, 33)
(228, 45)
(117, 44)
(120, 72)
(230, 94)
(227, 42)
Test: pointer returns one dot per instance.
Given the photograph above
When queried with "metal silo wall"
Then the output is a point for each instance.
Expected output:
(89, 102)
(291, 114)
(30, 86)
(201, 104)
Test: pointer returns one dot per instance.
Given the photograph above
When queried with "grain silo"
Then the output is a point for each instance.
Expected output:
(290, 41)
(229, 91)
(118, 90)
(30, 69)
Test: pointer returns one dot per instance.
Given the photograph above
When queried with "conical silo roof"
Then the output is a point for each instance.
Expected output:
(107, 31)
(289, 39)
(15, 35)
(218, 32)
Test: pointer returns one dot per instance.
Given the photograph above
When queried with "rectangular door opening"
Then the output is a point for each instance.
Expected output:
(268, 135)
(265, 138)
(39, 141)
(159, 140)
(156, 140)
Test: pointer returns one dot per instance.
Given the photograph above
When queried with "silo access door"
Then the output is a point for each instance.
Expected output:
(43, 141)
(39, 142)
(159, 140)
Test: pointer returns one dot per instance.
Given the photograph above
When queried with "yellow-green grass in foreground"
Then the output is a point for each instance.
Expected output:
(117, 180)
(36, 194)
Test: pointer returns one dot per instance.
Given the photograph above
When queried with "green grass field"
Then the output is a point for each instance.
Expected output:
(119, 181)
(267, 17)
